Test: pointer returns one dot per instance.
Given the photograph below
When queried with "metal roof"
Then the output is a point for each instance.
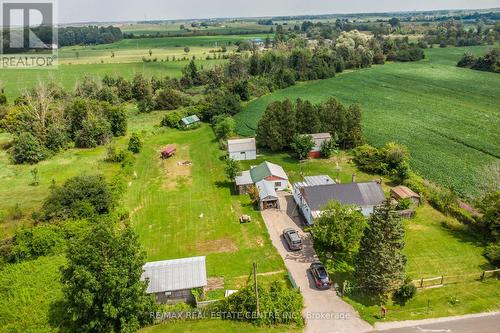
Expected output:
(244, 179)
(267, 169)
(266, 190)
(319, 138)
(177, 274)
(318, 180)
(360, 194)
(190, 120)
(239, 145)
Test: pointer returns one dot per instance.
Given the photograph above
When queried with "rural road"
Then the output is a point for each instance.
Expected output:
(324, 311)
(482, 323)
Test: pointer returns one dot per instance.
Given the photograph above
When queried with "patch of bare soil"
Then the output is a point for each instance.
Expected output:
(223, 245)
(177, 170)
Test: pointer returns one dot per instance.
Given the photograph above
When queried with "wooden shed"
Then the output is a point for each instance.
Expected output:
(402, 192)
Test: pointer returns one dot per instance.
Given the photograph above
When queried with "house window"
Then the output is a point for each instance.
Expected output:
(277, 184)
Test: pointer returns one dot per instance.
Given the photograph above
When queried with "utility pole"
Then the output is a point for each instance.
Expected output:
(256, 288)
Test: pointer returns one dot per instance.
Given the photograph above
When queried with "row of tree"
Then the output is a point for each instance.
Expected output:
(282, 121)
(455, 33)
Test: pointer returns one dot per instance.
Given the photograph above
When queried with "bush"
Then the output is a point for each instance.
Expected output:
(286, 305)
(169, 99)
(493, 253)
(80, 197)
(95, 131)
(116, 156)
(173, 119)
(135, 144)
(27, 149)
(117, 117)
(329, 147)
(405, 293)
(36, 242)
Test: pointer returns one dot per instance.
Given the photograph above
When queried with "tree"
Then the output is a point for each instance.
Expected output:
(224, 127)
(27, 149)
(135, 143)
(394, 22)
(82, 196)
(339, 228)
(101, 281)
(233, 169)
(380, 263)
(169, 99)
(329, 147)
(187, 49)
(302, 145)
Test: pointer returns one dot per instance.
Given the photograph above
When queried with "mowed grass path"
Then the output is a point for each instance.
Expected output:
(448, 116)
(184, 211)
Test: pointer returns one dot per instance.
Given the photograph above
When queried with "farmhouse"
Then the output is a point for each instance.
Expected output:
(311, 198)
(268, 178)
(402, 192)
(318, 140)
(189, 121)
(242, 149)
(172, 280)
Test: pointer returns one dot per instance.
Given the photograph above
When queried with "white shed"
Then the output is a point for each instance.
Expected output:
(242, 149)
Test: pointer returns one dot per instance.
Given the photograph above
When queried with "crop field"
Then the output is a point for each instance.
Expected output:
(174, 28)
(448, 116)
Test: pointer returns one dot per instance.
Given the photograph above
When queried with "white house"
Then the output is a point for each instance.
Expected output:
(242, 149)
(268, 178)
(312, 198)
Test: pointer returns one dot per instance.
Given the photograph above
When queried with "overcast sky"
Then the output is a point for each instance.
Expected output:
(130, 10)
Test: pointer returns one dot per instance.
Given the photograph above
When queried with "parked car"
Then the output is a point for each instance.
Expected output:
(320, 275)
(292, 239)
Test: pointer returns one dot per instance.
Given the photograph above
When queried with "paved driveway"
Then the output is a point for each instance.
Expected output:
(324, 311)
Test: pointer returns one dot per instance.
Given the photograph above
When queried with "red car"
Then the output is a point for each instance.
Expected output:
(320, 275)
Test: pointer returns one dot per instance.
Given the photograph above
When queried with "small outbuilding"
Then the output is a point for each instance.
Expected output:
(318, 140)
(190, 121)
(172, 281)
(402, 192)
(242, 149)
(268, 198)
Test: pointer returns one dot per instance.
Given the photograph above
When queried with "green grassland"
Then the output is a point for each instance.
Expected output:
(76, 62)
(447, 116)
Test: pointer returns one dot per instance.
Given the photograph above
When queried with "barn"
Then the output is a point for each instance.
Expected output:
(242, 149)
(318, 140)
(172, 281)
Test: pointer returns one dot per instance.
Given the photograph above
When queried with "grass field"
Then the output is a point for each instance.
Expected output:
(75, 62)
(447, 116)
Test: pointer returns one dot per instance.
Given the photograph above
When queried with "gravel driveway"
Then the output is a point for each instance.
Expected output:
(324, 311)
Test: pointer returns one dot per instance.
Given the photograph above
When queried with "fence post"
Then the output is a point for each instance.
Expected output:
(421, 283)
(482, 276)
(442, 279)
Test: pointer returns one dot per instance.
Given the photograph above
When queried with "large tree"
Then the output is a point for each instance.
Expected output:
(339, 228)
(380, 263)
(302, 145)
(101, 281)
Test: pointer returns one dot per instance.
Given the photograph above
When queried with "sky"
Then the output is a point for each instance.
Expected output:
(73, 11)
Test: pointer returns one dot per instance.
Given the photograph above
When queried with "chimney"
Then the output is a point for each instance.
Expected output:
(353, 177)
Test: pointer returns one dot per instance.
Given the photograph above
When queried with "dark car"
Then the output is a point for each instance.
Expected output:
(293, 239)
(320, 275)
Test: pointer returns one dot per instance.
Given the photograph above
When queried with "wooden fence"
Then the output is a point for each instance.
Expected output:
(453, 279)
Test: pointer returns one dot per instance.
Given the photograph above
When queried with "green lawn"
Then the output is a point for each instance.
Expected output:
(448, 116)
(182, 211)
(432, 251)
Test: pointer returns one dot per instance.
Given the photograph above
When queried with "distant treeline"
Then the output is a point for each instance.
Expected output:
(193, 33)
(68, 36)
(455, 33)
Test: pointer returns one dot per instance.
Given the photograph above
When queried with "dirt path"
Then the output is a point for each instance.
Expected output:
(324, 311)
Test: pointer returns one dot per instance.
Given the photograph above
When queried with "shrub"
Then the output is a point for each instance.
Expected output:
(329, 147)
(302, 145)
(135, 144)
(95, 131)
(403, 204)
(80, 197)
(116, 156)
(172, 119)
(169, 99)
(36, 242)
(27, 149)
(224, 127)
(405, 293)
(117, 117)
(493, 253)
